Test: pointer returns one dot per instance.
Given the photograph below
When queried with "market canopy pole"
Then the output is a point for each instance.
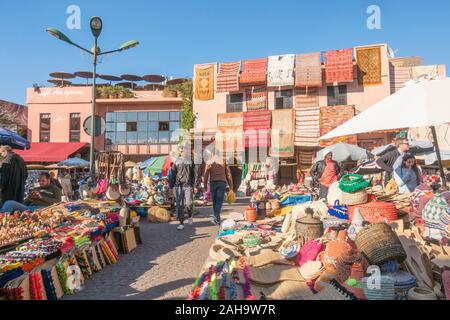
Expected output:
(421, 103)
(96, 25)
(438, 155)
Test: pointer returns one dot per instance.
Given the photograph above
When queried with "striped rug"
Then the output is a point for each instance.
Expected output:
(254, 72)
(257, 128)
(308, 70)
(331, 118)
(307, 117)
(339, 66)
(256, 98)
(399, 76)
(228, 77)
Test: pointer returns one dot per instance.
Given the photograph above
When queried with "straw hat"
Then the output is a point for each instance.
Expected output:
(311, 270)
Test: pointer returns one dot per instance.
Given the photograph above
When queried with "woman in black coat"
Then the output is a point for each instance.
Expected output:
(13, 176)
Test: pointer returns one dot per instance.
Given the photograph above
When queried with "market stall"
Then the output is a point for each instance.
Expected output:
(52, 252)
(317, 250)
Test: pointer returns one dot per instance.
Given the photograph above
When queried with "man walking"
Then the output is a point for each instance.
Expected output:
(182, 179)
(393, 159)
(325, 172)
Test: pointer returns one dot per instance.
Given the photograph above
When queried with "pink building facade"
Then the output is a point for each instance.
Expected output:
(139, 127)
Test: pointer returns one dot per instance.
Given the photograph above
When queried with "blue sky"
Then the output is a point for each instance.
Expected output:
(176, 34)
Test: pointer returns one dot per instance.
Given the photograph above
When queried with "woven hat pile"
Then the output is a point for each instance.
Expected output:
(376, 212)
(380, 244)
(353, 189)
(384, 290)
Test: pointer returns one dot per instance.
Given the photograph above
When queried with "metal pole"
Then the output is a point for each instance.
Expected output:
(94, 93)
(438, 155)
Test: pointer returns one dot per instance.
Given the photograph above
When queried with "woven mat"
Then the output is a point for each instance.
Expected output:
(333, 117)
(282, 138)
(257, 128)
(308, 70)
(254, 71)
(306, 98)
(266, 257)
(286, 290)
(307, 126)
(256, 98)
(368, 61)
(274, 274)
(204, 82)
(230, 125)
(228, 77)
(339, 66)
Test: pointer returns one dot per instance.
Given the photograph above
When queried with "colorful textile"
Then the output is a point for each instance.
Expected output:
(231, 137)
(254, 72)
(399, 76)
(333, 117)
(256, 99)
(228, 77)
(257, 129)
(307, 117)
(280, 71)
(339, 66)
(368, 61)
(204, 82)
(308, 70)
(328, 175)
(282, 133)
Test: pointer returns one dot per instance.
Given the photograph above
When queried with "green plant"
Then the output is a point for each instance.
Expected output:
(185, 90)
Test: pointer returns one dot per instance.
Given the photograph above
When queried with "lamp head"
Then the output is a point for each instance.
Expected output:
(128, 45)
(96, 26)
(58, 34)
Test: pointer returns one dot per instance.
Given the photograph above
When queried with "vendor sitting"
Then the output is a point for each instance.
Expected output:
(46, 195)
(407, 175)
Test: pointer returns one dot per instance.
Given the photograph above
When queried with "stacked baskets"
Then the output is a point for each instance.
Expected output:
(353, 189)
(380, 244)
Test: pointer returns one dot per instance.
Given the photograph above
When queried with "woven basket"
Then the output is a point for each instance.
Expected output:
(353, 199)
(376, 212)
(379, 244)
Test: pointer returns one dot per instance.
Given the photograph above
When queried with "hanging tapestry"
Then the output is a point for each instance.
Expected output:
(282, 139)
(339, 66)
(307, 117)
(204, 82)
(256, 98)
(257, 128)
(280, 71)
(331, 118)
(308, 70)
(228, 77)
(230, 138)
(254, 72)
(368, 61)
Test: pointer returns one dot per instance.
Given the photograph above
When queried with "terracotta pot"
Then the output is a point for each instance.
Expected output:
(250, 214)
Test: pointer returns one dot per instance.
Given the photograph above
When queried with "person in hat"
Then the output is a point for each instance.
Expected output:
(182, 180)
(325, 172)
(13, 175)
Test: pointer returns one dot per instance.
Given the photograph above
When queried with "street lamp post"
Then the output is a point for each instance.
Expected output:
(96, 25)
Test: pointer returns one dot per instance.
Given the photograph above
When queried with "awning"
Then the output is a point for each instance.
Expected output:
(50, 151)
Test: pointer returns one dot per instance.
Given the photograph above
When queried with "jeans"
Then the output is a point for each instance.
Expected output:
(323, 192)
(218, 189)
(12, 206)
(184, 199)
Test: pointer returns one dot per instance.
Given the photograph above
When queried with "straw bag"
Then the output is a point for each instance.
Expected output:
(309, 251)
(376, 212)
(338, 211)
(380, 244)
(434, 209)
(352, 199)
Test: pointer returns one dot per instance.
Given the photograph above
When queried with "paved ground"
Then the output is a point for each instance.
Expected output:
(163, 267)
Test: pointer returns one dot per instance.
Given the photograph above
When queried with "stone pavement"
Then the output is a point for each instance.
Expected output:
(163, 267)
